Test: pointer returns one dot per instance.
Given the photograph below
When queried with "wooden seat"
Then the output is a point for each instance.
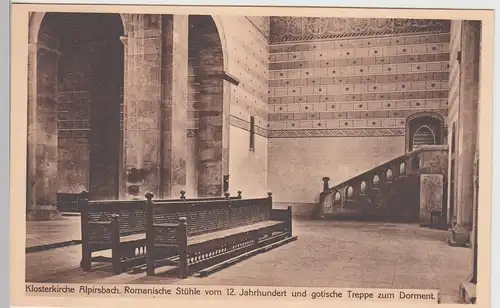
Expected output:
(202, 233)
(228, 232)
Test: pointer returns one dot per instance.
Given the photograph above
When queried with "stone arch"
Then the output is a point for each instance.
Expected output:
(433, 121)
(218, 20)
(36, 18)
(71, 84)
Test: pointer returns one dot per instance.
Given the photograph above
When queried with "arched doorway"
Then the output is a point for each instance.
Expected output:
(206, 107)
(75, 83)
(424, 129)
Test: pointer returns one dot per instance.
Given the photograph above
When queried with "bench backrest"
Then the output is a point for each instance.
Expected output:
(67, 202)
(131, 214)
(209, 216)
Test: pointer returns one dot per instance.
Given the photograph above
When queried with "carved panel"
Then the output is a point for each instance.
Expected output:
(431, 194)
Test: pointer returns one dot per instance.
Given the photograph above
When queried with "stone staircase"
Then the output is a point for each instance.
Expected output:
(389, 192)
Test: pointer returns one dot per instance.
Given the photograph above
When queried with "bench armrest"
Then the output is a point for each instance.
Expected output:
(163, 233)
(100, 232)
(279, 214)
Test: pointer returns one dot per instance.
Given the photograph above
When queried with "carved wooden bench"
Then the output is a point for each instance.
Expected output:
(119, 226)
(204, 233)
(68, 202)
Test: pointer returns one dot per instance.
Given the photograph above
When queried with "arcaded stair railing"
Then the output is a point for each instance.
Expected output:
(390, 191)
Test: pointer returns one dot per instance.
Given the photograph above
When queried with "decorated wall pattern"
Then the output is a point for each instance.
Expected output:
(368, 84)
(289, 28)
(249, 64)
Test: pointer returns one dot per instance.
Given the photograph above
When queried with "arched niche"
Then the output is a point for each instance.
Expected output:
(388, 175)
(402, 168)
(337, 198)
(424, 128)
(362, 187)
(75, 83)
(349, 192)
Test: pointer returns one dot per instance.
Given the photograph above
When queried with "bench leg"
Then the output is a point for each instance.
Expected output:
(150, 262)
(117, 265)
(86, 262)
(183, 264)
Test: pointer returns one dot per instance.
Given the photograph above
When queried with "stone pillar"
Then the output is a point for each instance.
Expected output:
(210, 143)
(142, 101)
(467, 127)
(43, 57)
(175, 30)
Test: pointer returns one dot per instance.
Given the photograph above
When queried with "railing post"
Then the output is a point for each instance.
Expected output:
(182, 246)
(183, 195)
(325, 183)
(115, 243)
(239, 194)
(150, 268)
(83, 205)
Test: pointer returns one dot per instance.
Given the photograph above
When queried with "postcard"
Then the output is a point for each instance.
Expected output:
(250, 155)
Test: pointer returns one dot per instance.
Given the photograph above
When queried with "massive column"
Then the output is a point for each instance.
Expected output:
(155, 98)
(43, 56)
(174, 103)
(468, 127)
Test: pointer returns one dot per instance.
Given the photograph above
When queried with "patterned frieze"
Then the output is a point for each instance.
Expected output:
(363, 79)
(367, 107)
(290, 28)
(365, 97)
(361, 70)
(372, 43)
(302, 63)
(357, 132)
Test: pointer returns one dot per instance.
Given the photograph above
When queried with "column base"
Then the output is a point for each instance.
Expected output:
(459, 237)
(43, 213)
(467, 292)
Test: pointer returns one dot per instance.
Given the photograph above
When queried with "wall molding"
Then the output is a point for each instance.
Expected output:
(353, 132)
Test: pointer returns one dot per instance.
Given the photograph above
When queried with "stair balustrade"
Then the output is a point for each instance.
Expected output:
(388, 192)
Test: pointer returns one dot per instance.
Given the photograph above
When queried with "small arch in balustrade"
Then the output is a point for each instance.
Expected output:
(376, 180)
(402, 168)
(336, 197)
(388, 175)
(362, 188)
(415, 162)
(349, 192)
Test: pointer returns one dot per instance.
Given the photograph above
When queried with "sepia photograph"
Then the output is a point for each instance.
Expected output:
(169, 153)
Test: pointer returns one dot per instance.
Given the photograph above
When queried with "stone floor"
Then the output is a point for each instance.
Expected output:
(40, 233)
(327, 253)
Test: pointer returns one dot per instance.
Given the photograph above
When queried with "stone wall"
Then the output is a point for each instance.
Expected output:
(342, 90)
(248, 63)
